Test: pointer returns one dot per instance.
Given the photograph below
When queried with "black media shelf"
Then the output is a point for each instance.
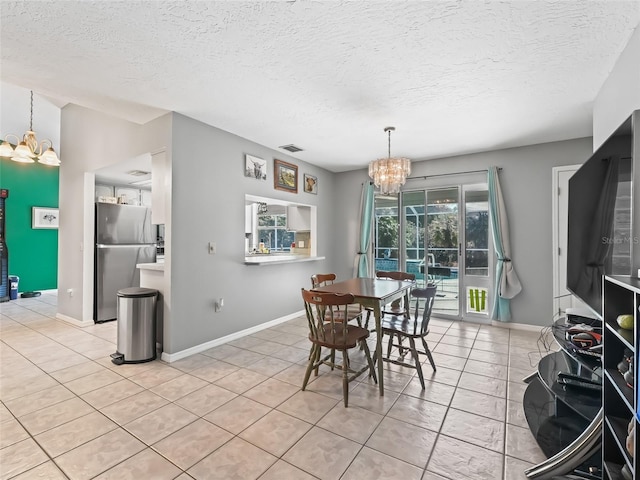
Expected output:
(553, 427)
(625, 392)
(625, 336)
(585, 403)
(620, 403)
(557, 414)
(613, 471)
(618, 427)
(589, 360)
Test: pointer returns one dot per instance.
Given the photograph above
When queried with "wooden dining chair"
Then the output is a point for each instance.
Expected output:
(396, 307)
(354, 312)
(413, 327)
(329, 329)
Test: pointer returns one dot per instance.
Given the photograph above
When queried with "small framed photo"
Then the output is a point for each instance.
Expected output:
(255, 167)
(285, 176)
(310, 184)
(43, 217)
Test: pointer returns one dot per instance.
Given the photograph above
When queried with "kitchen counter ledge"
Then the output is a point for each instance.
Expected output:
(159, 267)
(278, 259)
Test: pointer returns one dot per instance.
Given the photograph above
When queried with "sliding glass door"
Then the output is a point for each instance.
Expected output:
(442, 236)
(477, 279)
(430, 226)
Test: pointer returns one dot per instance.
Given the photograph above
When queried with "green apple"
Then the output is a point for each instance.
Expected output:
(625, 321)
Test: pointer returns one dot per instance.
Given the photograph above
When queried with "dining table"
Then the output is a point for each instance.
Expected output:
(373, 293)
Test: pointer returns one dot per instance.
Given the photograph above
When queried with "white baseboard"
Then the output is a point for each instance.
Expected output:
(517, 326)
(73, 321)
(172, 357)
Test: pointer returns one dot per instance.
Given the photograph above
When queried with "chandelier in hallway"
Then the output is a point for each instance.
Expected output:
(29, 149)
(390, 173)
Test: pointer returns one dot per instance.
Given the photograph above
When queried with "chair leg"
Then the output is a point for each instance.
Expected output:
(312, 357)
(428, 352)
(416, 359)
(366, 322)
(345, 377)
(389, 345)
(372, 365)
(333, 359)
(316, 359)
(400, 347)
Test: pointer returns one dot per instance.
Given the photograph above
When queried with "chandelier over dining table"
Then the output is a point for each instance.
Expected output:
(390, 173)
(29, 149)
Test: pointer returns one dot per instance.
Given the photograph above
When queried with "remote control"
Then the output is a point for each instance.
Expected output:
(578, 377)
(571, 382)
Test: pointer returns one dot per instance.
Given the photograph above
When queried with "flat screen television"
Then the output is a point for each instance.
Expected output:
(599, 238)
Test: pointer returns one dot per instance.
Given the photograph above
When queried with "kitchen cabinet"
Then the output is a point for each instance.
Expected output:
(145, 198)
(298, 218)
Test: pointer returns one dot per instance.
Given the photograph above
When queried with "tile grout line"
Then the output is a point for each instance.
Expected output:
(269, 376)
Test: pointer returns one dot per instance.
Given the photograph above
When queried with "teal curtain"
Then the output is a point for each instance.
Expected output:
(507, 283)
(366, 217)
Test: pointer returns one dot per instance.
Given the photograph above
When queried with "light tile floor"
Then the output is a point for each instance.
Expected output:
(236, 411)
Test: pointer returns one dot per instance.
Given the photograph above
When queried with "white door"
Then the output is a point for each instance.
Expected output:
(562, 298)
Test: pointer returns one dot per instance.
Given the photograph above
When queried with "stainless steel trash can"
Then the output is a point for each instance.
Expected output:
(136, 325)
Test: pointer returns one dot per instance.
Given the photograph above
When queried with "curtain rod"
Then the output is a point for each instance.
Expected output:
(447, 174)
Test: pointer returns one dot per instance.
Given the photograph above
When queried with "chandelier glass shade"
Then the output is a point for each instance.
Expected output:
(29, 149)
(390, 173)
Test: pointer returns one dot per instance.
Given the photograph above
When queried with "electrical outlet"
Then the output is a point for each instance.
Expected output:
(212, 248)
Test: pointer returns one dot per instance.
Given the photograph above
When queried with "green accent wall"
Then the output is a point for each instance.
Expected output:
(33, 253)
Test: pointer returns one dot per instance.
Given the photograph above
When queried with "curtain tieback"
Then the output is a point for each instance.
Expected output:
(361, 253)
(505, 259)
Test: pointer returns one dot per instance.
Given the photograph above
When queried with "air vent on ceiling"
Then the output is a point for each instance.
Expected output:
(138, 173)
(291, 148)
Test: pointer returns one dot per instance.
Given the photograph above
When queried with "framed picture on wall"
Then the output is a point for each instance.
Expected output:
(43, 217)
(310, 184)
(255, 167)
(285, 176)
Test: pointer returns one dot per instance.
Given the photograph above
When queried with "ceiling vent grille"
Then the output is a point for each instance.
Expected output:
(291, 148)
(138, 173)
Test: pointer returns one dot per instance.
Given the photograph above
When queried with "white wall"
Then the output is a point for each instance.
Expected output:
(620, 93)
(91, 140)
(526, 184)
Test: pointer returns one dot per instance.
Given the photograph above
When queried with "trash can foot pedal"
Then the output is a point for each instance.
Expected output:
(117, 358)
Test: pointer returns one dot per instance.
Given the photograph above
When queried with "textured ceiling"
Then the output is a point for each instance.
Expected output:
(452, 76)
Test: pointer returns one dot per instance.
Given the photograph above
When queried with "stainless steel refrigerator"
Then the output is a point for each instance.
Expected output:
(124, 237)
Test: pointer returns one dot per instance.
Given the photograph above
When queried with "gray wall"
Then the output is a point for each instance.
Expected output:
(208, 189)
(526, 185)
(208, 205)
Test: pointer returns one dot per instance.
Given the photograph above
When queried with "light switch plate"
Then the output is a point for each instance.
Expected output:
(212, 248)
